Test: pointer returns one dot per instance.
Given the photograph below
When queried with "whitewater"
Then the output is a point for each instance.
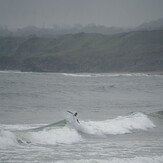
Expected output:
(120, 118)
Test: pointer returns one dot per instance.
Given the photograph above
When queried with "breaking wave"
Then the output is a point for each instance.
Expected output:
(109, 74)
(68, 131)
(119, 125)
(77, 75)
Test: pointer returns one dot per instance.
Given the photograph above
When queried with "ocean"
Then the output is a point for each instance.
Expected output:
(120, 117)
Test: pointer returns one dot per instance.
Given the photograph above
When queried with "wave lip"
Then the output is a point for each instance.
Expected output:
(119, 125)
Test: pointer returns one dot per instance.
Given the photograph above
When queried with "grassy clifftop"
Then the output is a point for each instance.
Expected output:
(133, 51)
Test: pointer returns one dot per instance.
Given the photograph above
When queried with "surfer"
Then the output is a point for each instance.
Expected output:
(75, 115)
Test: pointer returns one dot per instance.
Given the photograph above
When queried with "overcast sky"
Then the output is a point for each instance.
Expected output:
(45, 13)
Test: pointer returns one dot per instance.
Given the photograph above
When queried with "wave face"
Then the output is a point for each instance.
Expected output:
(158, 114)
(68, 131)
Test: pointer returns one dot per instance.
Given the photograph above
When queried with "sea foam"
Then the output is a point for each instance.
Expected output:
(119, 125)
(7, 139)
(63, 135)
(154, 159)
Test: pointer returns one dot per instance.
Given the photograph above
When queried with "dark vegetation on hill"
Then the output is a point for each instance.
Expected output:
(138, 51)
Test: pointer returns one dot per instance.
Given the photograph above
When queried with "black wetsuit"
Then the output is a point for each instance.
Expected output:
(75, 115)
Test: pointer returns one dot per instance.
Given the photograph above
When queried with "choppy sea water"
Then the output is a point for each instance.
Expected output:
(121, 118)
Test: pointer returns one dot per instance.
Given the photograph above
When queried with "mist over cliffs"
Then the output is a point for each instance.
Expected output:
(138, 51)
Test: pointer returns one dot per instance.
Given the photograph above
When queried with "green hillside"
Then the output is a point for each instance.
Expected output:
(82, 52)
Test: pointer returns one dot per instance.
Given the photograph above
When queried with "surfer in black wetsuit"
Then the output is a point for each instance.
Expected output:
(75, 115)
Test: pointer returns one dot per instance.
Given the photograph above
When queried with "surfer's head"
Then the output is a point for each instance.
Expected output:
(75, 114)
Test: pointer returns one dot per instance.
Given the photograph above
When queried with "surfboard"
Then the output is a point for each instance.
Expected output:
(70, 112)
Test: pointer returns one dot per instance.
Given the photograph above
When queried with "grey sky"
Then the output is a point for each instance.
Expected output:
(45, 13)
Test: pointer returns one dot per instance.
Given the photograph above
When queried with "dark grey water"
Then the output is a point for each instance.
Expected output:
(121, 117)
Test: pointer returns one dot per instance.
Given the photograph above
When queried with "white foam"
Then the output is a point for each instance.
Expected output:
(121, 74)
(63, 135)
(119, 125)
(7, 139)
(154, 159)
(106, 74)
(77, 75)
(10, 71)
